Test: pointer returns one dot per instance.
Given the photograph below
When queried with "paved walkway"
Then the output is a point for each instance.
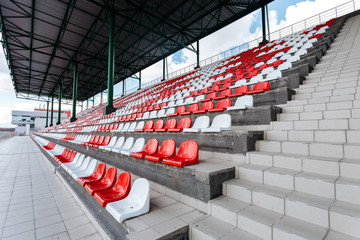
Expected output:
(34, 203)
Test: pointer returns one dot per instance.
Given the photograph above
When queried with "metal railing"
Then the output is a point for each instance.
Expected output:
(322, 17)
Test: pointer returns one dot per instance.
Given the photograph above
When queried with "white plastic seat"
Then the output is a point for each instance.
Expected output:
(273, 75)
(118, 144)
(145, 115)
(219, 123)
(121, 125)
(180, 102)
(87, 172)
(285, 57)
(80, 168)
(239, 83)
(279, 54)
(153, 114)
(140, 125)
(242, 102)
(200, 123)
(76, 162)
(126, 127)
(161, 113)
(189, 100)
(138, 146)
(293, 58)
(267, 70)
(135, 204)
(132, 127)
(258, 64)
(254, 80)
(171, 104)
(111, 143)
(127, 145)
(170, 110)
(284, 66)
(269, 62)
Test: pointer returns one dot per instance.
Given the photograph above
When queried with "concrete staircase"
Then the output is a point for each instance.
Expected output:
(303, 182)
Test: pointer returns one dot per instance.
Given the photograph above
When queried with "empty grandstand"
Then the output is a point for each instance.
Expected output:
(262, 144)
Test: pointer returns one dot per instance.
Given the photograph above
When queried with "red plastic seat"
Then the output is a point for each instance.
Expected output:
(277, 63)
(184, 123)
(188, 154)
(148, 125)
(103, 143)
(194, 93)
(167, 149)
(157, 107)
(221, 105)
(240, 91)
(97, 175)
(214, 88)
(209, 97)
(106, 183)
(260, 87)
(94, 140)
(225, 85)
(98, 142)
(171, 123)
(178, 111)
(49, 146)
(205, 107)
(223, 94)
(316, 36)
(66, 159)
(163, 105)
(158, 124)
(191, 109)
(150, 148)
(119, 191)
(262, 67)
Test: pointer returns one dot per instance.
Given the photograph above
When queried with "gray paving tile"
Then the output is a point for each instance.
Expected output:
(57, 236)
(18, 228)
(29, 235)
(82, 231)
(76, 222)
(19, 219)
(50, 230)
(49, 220)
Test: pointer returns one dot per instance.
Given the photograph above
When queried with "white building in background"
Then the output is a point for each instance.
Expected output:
(30, 121)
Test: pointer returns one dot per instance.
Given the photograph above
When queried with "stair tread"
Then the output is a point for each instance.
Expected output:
(312, 200)
(232, 204)
(300, 228)
(261, 215)
(333, 235)
(297, 156)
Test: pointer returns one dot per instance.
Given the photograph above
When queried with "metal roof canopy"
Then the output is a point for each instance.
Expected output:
(42, 39)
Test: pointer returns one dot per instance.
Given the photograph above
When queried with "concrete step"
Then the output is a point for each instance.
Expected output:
(345, 218)
(348, 190)
(317, 165)
(258, 221)
(310, 183)
(211, 228)
(311, 149)
(319, 115)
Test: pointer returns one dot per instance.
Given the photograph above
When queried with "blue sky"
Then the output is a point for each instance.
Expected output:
(281, 14)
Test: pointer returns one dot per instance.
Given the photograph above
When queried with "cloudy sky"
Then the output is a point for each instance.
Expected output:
(282, 13)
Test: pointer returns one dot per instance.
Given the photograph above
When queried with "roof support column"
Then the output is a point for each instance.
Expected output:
(197, 55)
(123, 88)
(75, 85)
(139, 80)
(93, 100)
(101, 97)
(164, 66)
(52, 111)
(111, 65)
(59, 109)
(263, 18)
(47, 114)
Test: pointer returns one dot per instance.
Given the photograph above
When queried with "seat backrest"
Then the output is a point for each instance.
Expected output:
(262, 86)
(128, 143)
(222, 120)
(198, 98)
(100, 171)
(121, 125)
(100, 140)
(246, 101)
(140, 193)
(181, 109)
(132, 126)
(123, 184)
(140, 125)
(113, 141)
(170, 110)
(149, 124)
(185, 123)
(110, 176)
(211, 95)
(242, 90)
(138, 145)
(146, 114)
(167, 148)
(95, 139)
(159, 124)
(171, 123)
(84, 164)
(120, 142)
(161, 113)
(151, 146)
(207, 105)
(202, 122)
(193, 107)
(153, 114)
(224, 103)
(106, 140)
(189, 150)
(225, 93)
(126, 126)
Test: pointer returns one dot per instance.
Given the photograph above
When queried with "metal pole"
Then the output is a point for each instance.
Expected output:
(197, 54)
(163, 69)
(139, 80)
(111, 60)
(267, 20)
(59, 110)
(52, 111)
(74, 99)
(263, 24)
(47, 114)
(123, 88)
(87, 103)
(101, 97)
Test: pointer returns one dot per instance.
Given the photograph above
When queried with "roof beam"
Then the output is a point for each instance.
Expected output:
(31, 39)
(57, 43)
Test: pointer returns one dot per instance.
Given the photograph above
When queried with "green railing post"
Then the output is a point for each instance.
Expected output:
(59, 110)
(47, 114)
(52, 111)
(111, 65)
(75, 85)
